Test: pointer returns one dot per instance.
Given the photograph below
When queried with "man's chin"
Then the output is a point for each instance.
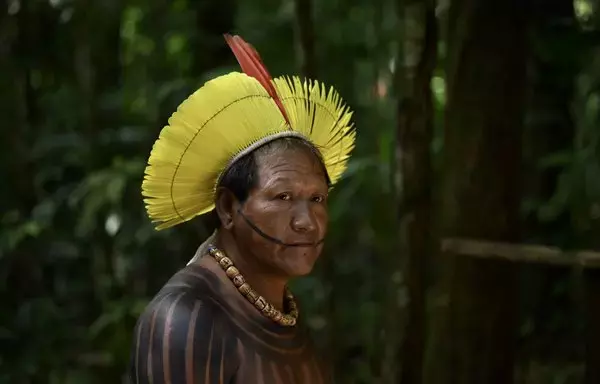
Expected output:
(299, 268)
(298, 272)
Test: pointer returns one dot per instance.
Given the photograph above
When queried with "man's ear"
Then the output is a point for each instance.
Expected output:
(226, 206)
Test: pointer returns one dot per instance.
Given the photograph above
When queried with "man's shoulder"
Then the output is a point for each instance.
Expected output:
(188, 291)
(175, 308)
(180, 311)
(176, 334)
(194, 278)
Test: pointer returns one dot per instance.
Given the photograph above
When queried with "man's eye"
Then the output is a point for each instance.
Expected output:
(318, 199)
(284, 196)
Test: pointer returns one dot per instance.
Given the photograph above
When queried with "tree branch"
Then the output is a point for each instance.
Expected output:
(520, 253)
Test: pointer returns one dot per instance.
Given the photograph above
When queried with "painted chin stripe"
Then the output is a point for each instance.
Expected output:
(274, 239)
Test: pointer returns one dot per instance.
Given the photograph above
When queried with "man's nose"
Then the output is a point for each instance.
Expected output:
(303, 220)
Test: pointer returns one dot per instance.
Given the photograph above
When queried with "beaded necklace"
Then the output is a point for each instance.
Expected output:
(268, 310)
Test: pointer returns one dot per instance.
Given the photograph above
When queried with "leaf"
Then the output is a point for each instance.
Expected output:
(559, 201)
(559, 159)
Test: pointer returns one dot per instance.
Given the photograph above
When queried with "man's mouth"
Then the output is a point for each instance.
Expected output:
(305, 244)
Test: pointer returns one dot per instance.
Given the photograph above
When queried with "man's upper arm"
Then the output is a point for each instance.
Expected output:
(178, 340)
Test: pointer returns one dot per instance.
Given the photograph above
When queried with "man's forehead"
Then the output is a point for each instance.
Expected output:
(289, 168)
(289, 161)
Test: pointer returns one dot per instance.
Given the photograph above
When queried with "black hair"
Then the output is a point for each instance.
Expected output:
(242, 176)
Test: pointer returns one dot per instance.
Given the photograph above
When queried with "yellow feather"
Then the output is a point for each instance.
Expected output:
(222, 120)
(207, 130)
(322, 118)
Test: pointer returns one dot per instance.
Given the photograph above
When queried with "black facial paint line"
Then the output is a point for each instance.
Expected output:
(274, 239)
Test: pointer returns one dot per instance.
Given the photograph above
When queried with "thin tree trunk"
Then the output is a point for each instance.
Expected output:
(486, 87)
(592, 304)
(213, 19)
(20, 268)
(306, 38)
(415, 127)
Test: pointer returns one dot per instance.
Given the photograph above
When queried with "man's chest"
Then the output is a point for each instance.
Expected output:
(260, 369)
(273, 365)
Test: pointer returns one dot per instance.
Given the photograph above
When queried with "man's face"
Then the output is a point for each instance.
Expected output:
(289, 204)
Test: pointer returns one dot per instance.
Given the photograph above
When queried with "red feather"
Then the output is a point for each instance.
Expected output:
(252, 65)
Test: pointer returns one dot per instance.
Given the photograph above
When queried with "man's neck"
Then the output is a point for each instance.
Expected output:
(267, 285)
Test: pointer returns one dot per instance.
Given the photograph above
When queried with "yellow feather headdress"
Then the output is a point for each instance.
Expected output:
(229, 117)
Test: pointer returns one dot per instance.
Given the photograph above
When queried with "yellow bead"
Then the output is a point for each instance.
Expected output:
(232, 272)
(260, 303)
(252, 296)
(218, 255)
(225, 262)
(244, 288)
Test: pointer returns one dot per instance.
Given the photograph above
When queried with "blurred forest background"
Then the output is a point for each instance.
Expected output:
(451, 255)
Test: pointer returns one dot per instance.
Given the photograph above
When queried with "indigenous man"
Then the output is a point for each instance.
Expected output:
(262, 154)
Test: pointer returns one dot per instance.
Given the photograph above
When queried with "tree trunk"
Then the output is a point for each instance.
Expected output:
(592, 303)
(306, 38)
(415, 127)
(19, 107)
(486, 87)
(213, 19)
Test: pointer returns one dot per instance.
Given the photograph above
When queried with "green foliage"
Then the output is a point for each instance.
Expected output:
(78, 257)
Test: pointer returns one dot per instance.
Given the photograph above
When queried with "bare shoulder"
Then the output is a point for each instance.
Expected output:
(198, 279)
(180, 336)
